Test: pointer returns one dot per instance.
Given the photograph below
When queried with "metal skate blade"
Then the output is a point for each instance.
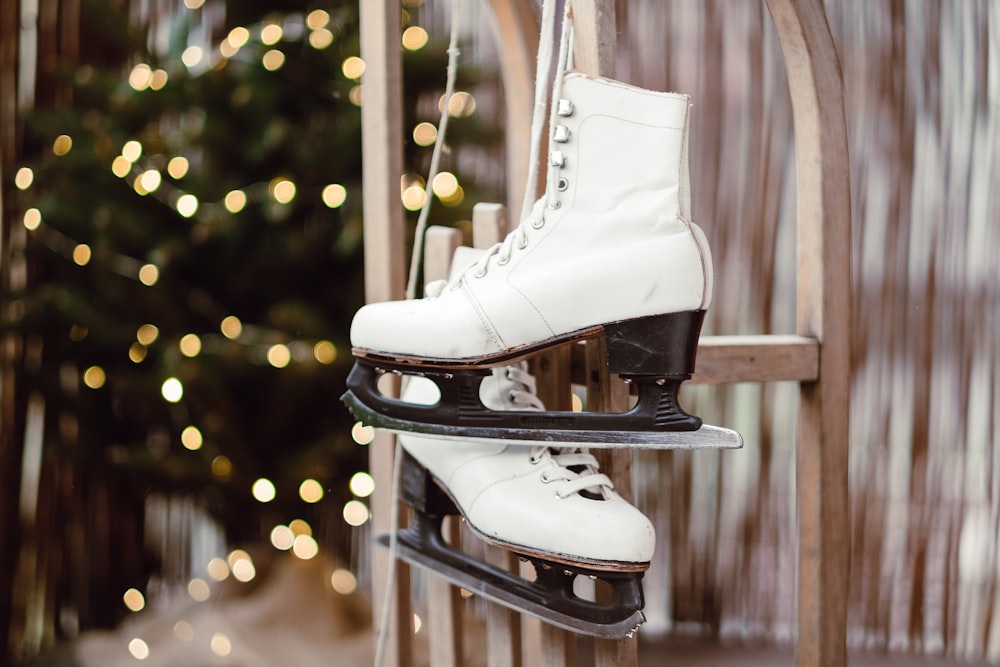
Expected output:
(706, 437)
(496, 586)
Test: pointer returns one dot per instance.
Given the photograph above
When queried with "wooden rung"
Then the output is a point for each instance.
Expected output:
(760, 358)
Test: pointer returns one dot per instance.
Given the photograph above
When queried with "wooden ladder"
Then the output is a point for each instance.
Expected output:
(817, 356)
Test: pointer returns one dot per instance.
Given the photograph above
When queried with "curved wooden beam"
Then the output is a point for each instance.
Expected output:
(824, 268)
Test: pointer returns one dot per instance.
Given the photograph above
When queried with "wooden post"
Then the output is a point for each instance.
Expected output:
(824, 220)
(382, 143)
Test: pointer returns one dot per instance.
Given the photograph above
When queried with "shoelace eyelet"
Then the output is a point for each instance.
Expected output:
(523, 243)
(562, 184)
(552, 205)
(537, 224)
(503, 260)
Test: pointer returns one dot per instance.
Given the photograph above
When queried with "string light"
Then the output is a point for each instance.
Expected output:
(363, 435)
(190, 345)
(282, 189)
(221, 645)
(148, 274)
(222, 467)
(235, 201)
(334, 195)
(138, 648)
(231, 327)
(279, 355)
(150, 180)
(159, 79)
(218, 569)
(172, 390)
(320, 39)
(193, 4)
(191, 56)
(134, 600)
(300, 527)
(273, 60)
(282, 537)
(343, 581)
(353, 67)
(94, 377)
(238, 36)
(356, 513)
(192, 438)
(362, 484)
(178, 167)
(120, 166)
(311, 491)
(325, 352)
(132, 151)
(317, 18)
(263, 490)
(425, 134)
(137, 352)
(184, 631)
(62, 145)
(32, 219)
(305, 547)
(414, 38)
(23, 178)
(271, 34)
(199, 589)
(187, 205)
(82, 254)
(147, 334)
(140, 77)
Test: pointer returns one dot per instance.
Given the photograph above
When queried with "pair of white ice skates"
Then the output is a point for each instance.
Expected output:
(608, 251)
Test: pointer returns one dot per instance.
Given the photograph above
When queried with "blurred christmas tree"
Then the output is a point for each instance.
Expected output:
(195, 230)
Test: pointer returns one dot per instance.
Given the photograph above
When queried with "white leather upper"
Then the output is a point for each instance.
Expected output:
(504, 495)
(616, 247)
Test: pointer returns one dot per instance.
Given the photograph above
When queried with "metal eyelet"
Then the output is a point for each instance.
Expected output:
(544, 477)
(501, 261)
(537, 224)
(562, 185)
(553, 205)
(479, 274)
(522, 244)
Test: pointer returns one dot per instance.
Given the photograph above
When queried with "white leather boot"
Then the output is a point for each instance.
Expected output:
(611, 241)
(537, 501)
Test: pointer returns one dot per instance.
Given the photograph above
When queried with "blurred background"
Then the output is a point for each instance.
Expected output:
(181, 256)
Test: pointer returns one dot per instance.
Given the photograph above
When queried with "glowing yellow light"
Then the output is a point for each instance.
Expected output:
(273, 60)
(237, 555)
(191, 438)
(32, 219)
(190, 345)
(78, 332)
(263, 490)
(300, 527)
(235, 201)
(243, 570)
(159, 79)
(355, 513)
(184, 631)
(362, 484)
(217, 568)
(414, 38)
(334, 195)
(271, 34)
(317, 18)
(120, 166)
(62, 145)
(353, 67)
(577, 404)
(362, 434)
(199, 589)
(221, 645)
(413, 198)
(227, 50)
(282, 538)
(305, 547)
(192, 55)
(444, 184)
(343, 581)
(172, 390)
(150, 180)
(424, 134)
(462, 104)
(187, 205)
(132, 150)
(82, 254)
(354, 95)
(325, 352)
(137, 352)
(320, 38)
(134, 600)
(94, 377)
(283, 190)
(193, 4)
(222, 467)
(138, 648)
(23, 178)
(279, 355)
(238, 36)
(178, 167)
(140, 77)
(148, 274)
(147, 334)
(231, 327)
(455, 198)
(311, 491)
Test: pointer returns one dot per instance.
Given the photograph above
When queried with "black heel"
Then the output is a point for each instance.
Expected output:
(658, 345)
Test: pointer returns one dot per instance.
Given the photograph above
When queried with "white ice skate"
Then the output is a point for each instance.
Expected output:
(551, 506)
(609, 251)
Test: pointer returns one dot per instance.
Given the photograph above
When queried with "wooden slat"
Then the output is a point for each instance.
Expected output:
(503, 625)
(823, 312)
(444, 601)
(726, 359)
(382, 144)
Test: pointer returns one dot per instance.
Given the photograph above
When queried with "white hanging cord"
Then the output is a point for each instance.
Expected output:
(418, 237)
(390, 576)
(543, 66)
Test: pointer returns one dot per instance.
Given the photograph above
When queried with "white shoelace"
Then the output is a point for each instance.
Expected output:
(577, 470)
